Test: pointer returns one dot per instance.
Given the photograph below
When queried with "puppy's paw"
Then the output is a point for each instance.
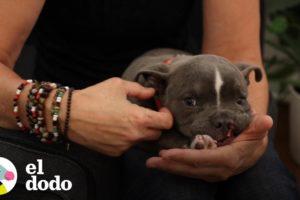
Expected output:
(203, 142)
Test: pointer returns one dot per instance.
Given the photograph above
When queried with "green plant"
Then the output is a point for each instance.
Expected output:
(283, 67)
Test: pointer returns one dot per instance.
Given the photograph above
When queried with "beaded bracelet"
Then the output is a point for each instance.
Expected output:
(31, 108)
(35, 106)
(56, 108)
(43, 93)
(16, 103)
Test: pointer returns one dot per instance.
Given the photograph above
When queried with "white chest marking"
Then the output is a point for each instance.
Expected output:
(218, 85)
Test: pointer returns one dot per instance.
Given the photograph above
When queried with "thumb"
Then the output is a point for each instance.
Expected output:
(258, 128)
(262, 123)
(134, 89)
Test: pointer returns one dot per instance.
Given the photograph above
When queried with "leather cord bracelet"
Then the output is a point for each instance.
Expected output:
(68, 113)
(67, 119)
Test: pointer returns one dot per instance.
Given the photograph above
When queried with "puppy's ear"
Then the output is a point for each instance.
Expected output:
(155, 77)
(246, 69)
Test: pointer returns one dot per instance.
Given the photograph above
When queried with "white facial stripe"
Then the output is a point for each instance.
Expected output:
(218, 85)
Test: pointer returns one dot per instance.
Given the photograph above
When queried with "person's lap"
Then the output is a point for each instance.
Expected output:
(148, 184)
(267, 179)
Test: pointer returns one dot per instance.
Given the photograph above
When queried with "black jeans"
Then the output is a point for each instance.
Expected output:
(267, 179)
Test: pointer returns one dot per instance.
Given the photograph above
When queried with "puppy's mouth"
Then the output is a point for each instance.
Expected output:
(229, 137)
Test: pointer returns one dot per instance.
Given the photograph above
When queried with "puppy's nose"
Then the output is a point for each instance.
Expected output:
(224, 125)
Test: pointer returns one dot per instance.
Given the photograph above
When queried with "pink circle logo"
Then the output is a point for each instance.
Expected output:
(8, 176)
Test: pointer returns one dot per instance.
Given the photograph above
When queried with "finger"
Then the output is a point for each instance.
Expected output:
(158, 120)
(151, 134)
(199, 158)
(261, 123)
(162, 119)
(136, 90)
(258, 128)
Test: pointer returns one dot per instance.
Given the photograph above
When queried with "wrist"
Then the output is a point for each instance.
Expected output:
(41, 108)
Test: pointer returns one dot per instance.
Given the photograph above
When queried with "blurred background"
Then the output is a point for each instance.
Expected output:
(281, 44)
(282, 62)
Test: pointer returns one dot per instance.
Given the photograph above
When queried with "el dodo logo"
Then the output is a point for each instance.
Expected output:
(8, 176)
(35, 183)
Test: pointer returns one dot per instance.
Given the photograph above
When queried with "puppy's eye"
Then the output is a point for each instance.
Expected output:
(190, 101)
(241, 100)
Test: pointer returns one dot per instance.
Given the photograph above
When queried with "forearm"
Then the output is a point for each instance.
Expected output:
(9, 81)
(232, 29)
(17, 19)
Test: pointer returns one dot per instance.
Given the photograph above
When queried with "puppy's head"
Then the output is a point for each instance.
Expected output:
(206, 94)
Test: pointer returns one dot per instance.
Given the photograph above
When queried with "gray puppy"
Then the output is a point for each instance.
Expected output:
(206, 94)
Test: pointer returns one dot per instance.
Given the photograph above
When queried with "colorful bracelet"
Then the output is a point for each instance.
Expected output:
(35, 106)
(56, 108)
(16, 104)
(41, 96)
(31, 109)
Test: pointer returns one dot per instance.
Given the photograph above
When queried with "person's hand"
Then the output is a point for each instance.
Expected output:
(220, 163)
(104, 120)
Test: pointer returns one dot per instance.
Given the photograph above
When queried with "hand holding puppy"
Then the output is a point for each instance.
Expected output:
(220, 163)
(104, 120)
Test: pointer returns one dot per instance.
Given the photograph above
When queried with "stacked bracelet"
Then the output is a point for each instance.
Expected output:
(35, 106)
(43, 93)
(16, 104)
